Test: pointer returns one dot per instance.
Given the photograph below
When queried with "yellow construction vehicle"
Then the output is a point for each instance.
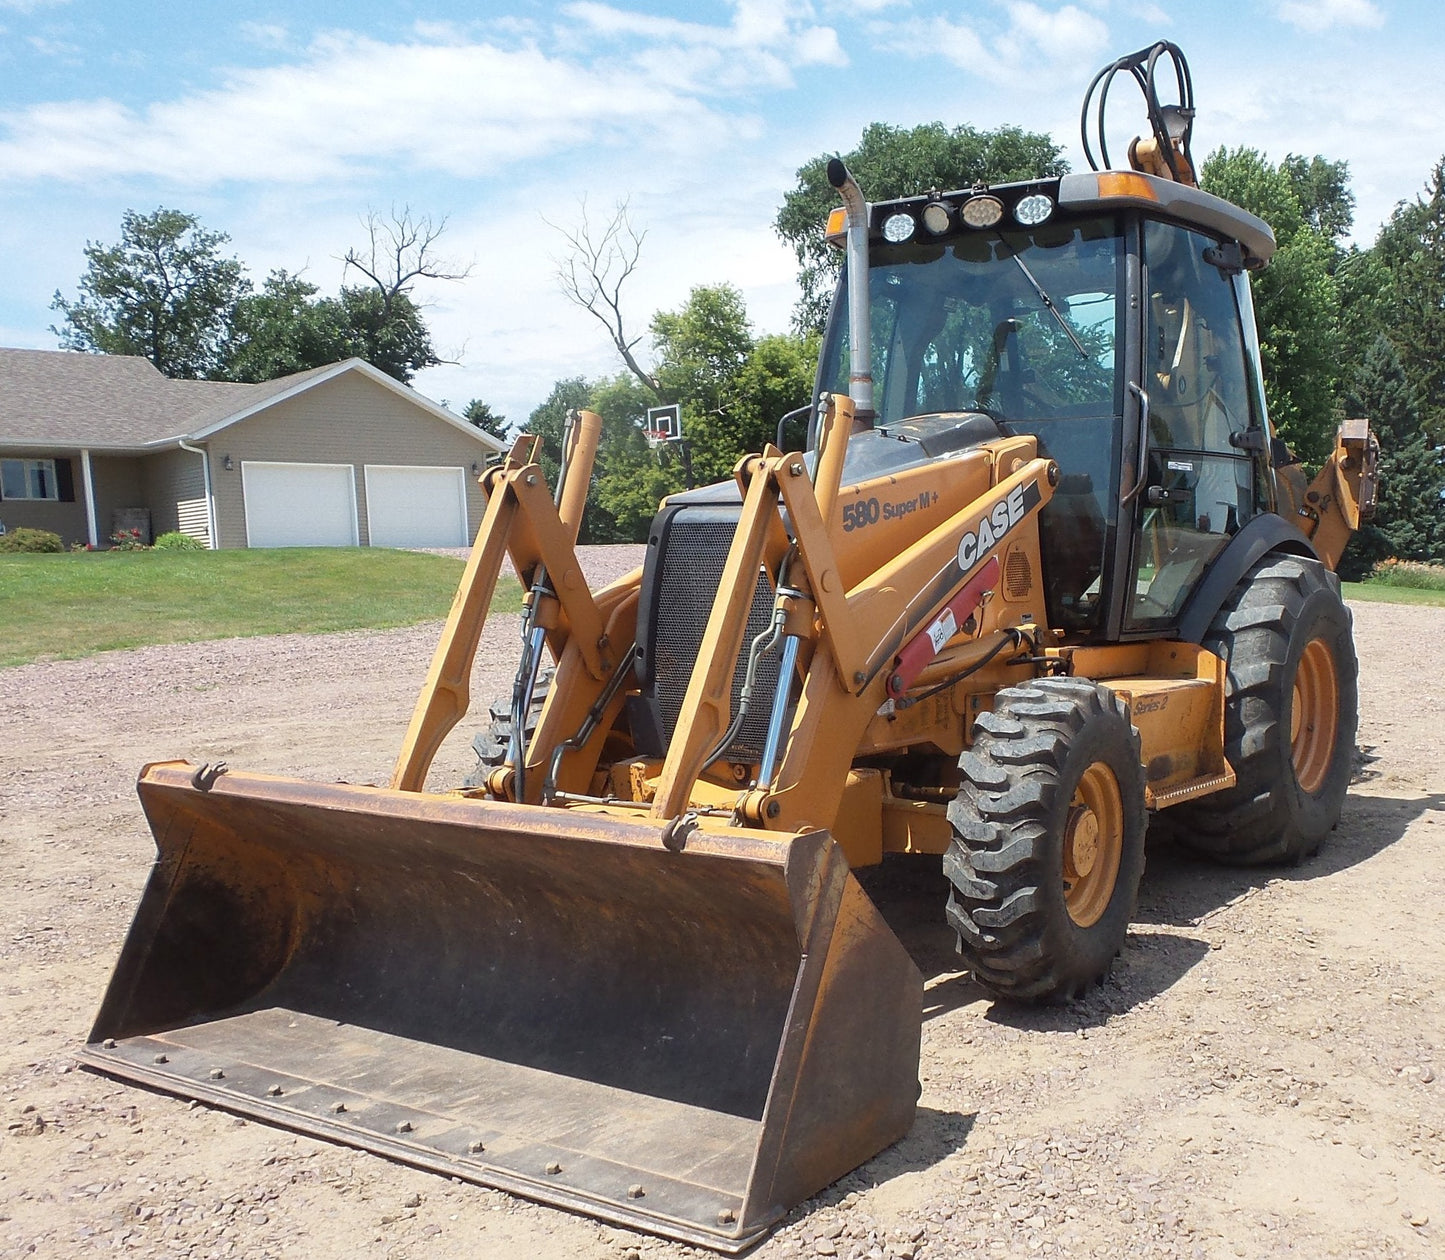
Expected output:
(1040, 572)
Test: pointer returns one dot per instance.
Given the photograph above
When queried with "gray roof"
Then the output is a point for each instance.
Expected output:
(62, 398)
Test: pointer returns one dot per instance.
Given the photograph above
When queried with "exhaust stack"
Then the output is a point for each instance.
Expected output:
(860, 346)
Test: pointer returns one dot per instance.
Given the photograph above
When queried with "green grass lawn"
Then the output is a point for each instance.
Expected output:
(72, 605)
(1379, 593)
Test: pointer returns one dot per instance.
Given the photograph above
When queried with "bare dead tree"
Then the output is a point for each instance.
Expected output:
(592, 274)
(399, 252)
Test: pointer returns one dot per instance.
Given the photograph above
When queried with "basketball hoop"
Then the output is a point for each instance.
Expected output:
(664, 425)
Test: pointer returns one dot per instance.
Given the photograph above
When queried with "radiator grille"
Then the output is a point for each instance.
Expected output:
(693, 556)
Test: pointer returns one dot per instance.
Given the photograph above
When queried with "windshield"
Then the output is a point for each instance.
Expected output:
(1020, 324)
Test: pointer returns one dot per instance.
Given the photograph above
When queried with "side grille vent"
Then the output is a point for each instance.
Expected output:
(1018, 575)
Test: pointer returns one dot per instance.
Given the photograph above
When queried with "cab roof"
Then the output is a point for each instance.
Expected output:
(1103, 191)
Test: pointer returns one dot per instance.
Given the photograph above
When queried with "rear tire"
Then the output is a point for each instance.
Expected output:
(491, 744)
(1291, 708)
(1048, 845)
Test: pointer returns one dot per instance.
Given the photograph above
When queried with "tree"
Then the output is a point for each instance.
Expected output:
(1407, 522)
(280, 330)
(598, 263)
(548, 421)
(631, 478)
(285, 328)
(1412, 248)
(702, 346)
(1322, 189)
(732, 388)
(487, 420)
(388, 332)
(1296, 300)
(897, 162)
(164, 292)
(383, 321)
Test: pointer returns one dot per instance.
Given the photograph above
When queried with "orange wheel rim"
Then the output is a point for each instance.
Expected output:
(1093, 845)
(1314, 716)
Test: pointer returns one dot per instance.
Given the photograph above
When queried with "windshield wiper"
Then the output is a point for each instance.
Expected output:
(1049, 303)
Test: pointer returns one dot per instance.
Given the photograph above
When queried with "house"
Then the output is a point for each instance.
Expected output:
(338, 456)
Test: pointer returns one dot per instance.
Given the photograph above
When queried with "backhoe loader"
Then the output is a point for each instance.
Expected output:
(1040, 572)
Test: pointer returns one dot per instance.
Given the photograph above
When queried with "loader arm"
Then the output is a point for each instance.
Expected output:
(847, 642)
(539, 533)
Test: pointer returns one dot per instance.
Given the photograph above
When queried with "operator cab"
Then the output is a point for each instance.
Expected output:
(1107, 314)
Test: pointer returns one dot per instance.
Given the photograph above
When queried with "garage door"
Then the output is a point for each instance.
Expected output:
(299, 505)
(410, 506)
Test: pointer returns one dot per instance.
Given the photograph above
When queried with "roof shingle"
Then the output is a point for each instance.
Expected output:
(104, 401)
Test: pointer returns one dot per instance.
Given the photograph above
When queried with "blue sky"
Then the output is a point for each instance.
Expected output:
(283, 124)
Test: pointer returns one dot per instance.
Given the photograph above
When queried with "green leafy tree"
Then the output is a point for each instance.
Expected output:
(285, 328)
(733, 388)
(1322, 189)
(165, 292)
(900, 162)
(1412, 248)
(1367, 297)
(1408, 520)
(481, 414)
(631, 478)
(548, 421)
(388, 332)
(1296, 299)
(279, 330)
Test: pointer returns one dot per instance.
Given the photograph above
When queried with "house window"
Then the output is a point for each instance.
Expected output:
(28, 479)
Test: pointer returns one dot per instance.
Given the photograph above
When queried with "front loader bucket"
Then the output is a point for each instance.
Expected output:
(545, 1001)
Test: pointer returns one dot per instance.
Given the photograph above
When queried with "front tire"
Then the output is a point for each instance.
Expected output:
(1048, 845)
(1291, 709)
(491, 744)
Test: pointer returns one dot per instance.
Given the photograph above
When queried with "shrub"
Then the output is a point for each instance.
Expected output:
(177, 541)
(127, 540)
(1409, 573)
(31, 540)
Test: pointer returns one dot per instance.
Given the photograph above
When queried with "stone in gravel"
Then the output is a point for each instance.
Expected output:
(1416, 1219)
(412, 1201)
(825, 1247)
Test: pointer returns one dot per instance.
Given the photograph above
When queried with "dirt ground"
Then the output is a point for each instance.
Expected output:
(1263, 1075)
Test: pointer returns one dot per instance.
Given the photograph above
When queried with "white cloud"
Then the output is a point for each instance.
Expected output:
(265, 34)
(759, 47)
(440, 100)
(29, 6)
(1324, 15)
(1032, 40)
(55, 48)
(352, 102)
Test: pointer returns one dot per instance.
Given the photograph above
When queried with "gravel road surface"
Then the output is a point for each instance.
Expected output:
(1261, 1076)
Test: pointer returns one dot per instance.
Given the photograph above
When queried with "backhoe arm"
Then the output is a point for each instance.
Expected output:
(1341, 496)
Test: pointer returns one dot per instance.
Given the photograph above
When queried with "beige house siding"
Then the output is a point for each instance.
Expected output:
(65, 519)
(174, 478)
(348, 420)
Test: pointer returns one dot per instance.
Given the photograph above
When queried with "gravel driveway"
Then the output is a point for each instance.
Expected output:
(1260, 1077)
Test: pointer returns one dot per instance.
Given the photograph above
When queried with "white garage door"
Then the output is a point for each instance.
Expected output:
(299, 505)
(409, 506)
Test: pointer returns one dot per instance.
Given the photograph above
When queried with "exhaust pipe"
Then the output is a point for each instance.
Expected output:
(860, 346)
